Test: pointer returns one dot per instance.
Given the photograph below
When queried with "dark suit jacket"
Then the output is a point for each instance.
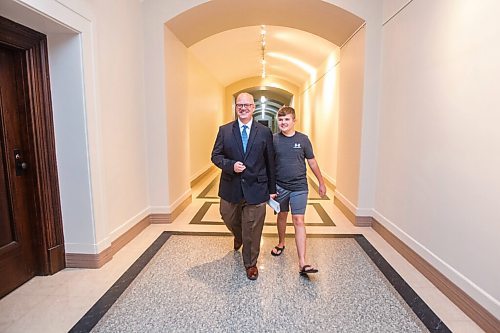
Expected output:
(258, 180)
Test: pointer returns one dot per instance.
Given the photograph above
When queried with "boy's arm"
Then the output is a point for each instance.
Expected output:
(317, 172)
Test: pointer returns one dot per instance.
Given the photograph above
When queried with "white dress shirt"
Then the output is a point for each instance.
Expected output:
(249, 125)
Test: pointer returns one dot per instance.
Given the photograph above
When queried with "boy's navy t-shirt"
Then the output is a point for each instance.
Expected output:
(291, 153)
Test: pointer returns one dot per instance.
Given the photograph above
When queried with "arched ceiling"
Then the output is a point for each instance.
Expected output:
(315, 16)
(224, 35)
(290, 54)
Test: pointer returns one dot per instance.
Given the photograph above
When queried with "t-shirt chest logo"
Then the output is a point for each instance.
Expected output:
(296, 146)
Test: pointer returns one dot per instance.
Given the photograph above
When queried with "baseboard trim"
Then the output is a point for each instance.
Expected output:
(482, 317)
(358, 221)
(170, 217)
(160, 218)
(329, 183)
(180, 208)
(343, 208)
(364, 221)
(84, 260)
(130, 234)
(197, 179)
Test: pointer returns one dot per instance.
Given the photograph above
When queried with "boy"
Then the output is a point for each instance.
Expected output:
(292, 148)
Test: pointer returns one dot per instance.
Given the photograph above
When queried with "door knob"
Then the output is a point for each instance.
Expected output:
(21, 165)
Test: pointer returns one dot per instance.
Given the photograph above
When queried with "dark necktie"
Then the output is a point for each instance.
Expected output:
(244, 138)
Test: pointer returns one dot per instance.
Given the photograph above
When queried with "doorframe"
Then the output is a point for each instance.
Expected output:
(48, 227)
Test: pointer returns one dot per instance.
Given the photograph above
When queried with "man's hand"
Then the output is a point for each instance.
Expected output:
(272, 196)
(239, 167)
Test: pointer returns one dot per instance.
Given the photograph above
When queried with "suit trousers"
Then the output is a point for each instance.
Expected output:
(246, 223)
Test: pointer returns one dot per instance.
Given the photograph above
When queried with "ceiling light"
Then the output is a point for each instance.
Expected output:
(263, 49)
(297, 62)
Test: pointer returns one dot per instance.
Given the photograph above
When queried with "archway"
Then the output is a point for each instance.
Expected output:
(226, 15)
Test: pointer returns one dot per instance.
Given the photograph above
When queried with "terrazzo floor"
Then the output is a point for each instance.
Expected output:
(56, 303)
(209, 292)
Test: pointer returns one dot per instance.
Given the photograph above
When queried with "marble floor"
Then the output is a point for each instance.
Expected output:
(208, 292)
(56, 303)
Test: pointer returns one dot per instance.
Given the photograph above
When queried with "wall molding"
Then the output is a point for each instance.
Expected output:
(364, 221)
(130, 234)
(330, 182)
(479, 314)
(86, 260)
(343, 208)
(358, 221)
(131, 223)
(346, 202)
(483, 318)
(82, 247)
(179, 202)
(201, 175)
(160, 218)
(97, 260)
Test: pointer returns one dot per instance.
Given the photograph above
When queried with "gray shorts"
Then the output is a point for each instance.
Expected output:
(297, 200)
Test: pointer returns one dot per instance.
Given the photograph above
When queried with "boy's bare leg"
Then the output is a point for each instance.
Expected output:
(281, 224)
(300, 238)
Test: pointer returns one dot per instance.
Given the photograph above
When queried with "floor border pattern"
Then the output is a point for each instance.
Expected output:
(197, 218)
(418, 306)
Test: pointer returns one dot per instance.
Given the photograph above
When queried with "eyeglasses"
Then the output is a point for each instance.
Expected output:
(241, 106)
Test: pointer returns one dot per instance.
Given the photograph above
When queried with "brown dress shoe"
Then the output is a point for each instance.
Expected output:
(252, 273)
(237, 243)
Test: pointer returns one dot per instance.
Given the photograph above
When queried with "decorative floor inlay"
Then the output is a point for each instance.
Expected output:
(210, 192)
(209, 214)
(198, 283)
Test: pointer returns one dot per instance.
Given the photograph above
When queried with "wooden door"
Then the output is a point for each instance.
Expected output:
(17, 210)
(31, 235)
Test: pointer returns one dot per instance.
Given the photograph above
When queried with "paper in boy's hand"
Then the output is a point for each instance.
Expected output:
(275, 205)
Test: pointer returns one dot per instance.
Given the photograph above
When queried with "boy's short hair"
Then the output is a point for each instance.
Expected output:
(284, 110)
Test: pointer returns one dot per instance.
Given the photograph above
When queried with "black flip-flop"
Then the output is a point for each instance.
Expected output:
(279, 251)
(307, 269)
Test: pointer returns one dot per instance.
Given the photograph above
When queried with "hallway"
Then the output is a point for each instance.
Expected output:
(56, 303)
(397, 97)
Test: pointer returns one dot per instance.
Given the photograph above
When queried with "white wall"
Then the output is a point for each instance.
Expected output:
(177, 116)
(206, 106)
(438, 186)
(156, 12)
(156, 118)
(319, 106)
(371, 12)
(65, 63)
(437, 183)
(71, 66)
(352, 62)
(96, 68)
(119, 47)
(194, 103)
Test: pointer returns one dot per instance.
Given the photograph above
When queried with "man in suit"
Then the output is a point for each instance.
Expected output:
(244, 151)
